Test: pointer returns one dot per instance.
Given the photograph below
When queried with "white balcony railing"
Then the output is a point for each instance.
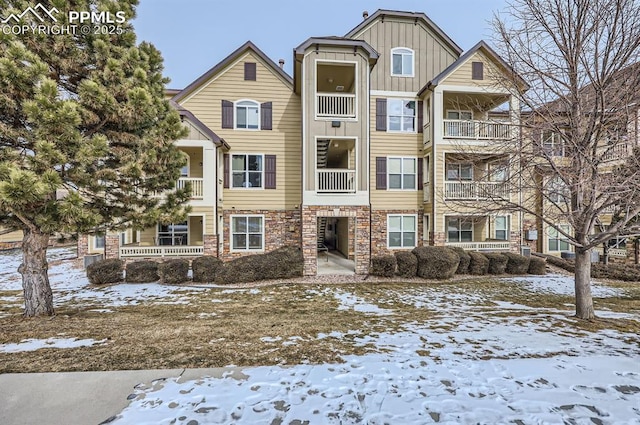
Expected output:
(480, 246)
(476, 130)
(475, 190)
(616, 152)
(336, 181)
(613, 252)
(197, 186)
(161, 251)
(336, 105)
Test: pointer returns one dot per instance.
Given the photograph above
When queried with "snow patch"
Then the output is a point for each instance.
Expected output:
(37, 344)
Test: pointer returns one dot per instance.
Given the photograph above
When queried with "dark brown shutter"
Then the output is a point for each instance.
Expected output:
(420, 174)
(381, 173)
(227, 114)
(420, 117)
(226, 171)
(477, 71)
(250, 71)
(269, 171)
(266, 120)
(381, 114)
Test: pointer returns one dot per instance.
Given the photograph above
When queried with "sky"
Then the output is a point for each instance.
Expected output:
(194, 35)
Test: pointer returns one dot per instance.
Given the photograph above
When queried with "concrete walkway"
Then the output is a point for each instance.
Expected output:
(81, 398)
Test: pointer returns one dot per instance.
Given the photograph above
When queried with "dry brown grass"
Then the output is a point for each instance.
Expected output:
(207, 333)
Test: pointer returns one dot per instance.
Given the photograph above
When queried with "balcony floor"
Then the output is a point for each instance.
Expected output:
(333, 262)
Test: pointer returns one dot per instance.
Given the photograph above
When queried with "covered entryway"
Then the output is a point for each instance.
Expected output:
(336, 245)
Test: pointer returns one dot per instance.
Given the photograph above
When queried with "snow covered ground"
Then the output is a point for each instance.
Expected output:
(473, 362)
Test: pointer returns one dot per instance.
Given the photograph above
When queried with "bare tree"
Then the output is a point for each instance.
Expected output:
(577, 160)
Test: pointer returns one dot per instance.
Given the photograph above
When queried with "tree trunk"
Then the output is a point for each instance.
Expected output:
(38, 299)
(584, 302)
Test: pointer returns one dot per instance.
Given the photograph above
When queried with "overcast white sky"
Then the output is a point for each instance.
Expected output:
(194, 35)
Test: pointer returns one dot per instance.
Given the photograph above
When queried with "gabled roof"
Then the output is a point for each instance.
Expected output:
(185, 113)
(337, 41)
(248, 46)
(416, 16)
(462, 59)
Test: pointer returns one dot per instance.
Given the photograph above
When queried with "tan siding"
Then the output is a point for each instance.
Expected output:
(322, 128)
(194, 133)
(431, 56)
(385, 144)
(11, 237)
(462, 75)
(209, 219)
(283, 141)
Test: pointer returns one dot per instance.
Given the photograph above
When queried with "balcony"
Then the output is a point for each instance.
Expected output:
(476, 130)
(197, 186)
(480, 246)
(336, 181)
(335, 105)
(616, 152)
(475, 190)
(160, 251)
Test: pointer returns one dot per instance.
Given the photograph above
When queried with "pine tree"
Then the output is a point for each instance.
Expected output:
(86, 136)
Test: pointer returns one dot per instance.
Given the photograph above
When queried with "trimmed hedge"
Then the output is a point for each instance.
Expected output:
(436, 262)
(407, 263)
(174, 271)
(105, 271)
(205, 268)
(384, 265)
(283, 263)
(497, 262)
(599, 270)
(142, 272)
(479, 264)
(516, 263)
(465, 260)
(537, 265)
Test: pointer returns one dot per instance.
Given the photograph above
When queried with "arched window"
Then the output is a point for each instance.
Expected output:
(247, 114)
(402, 62)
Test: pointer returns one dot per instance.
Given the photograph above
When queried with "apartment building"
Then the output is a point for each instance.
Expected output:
(384, 139)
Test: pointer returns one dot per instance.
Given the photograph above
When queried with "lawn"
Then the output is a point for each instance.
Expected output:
(506, 345)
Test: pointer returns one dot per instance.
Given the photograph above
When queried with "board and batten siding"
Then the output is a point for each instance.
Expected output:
(385, 144)
(431, 56)
(322, 128)
(194, 133)
(283, 140)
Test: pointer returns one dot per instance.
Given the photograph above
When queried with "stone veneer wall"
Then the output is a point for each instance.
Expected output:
(112, 246)
(83, 245)
(360, 215)
(282, 227)
(379, 230)
(530, 224)
(210, 244)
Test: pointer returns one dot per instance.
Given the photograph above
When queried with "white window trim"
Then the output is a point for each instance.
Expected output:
(507, 230)
(560, 237)
(413, 62)
(231, 233)
(231, 186)
(95, 240)
(459, 111)
(415, 116)
(415, 181)
(235, 115)
(446, 174)
(460, 220)
(415, 236)
(157, 238)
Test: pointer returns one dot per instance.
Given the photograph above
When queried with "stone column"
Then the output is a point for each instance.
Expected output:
(112, 246)
(83, 245)
(210, 243)
(309, 241)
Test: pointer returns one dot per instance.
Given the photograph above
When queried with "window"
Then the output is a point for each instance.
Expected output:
(557, 190)
(557, 241)
(427, 169)
(402, 173)
(401, 115)
(247, 170)
(498, 171)
(459, 115)
(247, 233)
(98, 242)
(552, 143)
(247, 115)
(502, 227)
(173, 234)
(459, 230)
(402, 62)
(459, 171)
(401, 231)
